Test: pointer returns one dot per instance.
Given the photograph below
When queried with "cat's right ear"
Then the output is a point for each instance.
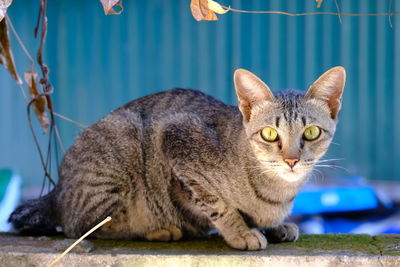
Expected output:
(250, 91)
(329, 88)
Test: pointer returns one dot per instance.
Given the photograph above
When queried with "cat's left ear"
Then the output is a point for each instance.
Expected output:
(329, 88)
(250, 91)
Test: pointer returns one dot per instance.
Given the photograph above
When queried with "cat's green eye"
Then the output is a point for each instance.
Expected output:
(312, 133)
(269, 134)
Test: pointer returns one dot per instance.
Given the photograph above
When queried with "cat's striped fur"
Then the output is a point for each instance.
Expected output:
(178, 163)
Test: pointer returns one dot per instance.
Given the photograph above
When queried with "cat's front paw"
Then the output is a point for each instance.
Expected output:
(248, 240)
(286, 232)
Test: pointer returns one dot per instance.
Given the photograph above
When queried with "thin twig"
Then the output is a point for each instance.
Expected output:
(39, 17)
(47, 90)
(20, 42)
(23, 48)
(69, 120)
(59, 139)
(338, 10)
(23, 92)
(44, 81)
(390, 17)
(44, 165)
(56, 148)
(311, 13)
(43, 185)
(48, 161)
(48, 155)
(47, 87)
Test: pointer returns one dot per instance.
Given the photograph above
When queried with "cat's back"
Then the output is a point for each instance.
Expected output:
(140, 120)
(122, 133)
(180, 100)
(141, 115)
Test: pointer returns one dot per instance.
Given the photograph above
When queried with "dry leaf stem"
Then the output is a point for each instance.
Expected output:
(79, 240)
(313, 13)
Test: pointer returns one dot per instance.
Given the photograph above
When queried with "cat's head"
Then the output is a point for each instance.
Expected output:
(291, 130)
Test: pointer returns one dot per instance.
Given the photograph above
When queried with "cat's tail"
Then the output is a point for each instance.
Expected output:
(35, 217)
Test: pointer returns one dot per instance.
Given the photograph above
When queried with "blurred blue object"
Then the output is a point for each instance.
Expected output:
(364, 224)
(10, 191)
(318, 200)
(346, 205)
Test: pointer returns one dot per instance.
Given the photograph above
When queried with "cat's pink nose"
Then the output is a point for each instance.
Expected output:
(291, 162)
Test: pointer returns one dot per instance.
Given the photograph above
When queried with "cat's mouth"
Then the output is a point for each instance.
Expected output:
(292, 175)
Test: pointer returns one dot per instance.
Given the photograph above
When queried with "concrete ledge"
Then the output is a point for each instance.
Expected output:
(310, 250)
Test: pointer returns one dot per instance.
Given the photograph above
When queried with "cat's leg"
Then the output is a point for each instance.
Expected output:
(83, 209)
(99, 177)
(193, 154)
(227, 220)
(232, 227)
(285, 232)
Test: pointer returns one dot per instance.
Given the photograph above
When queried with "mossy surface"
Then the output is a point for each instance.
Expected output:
(361, 243)
(310, 250)
(308, 244)
(326, 244)
(388, 244)
(212, 244)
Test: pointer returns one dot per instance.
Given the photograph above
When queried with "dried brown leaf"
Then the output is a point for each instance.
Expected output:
(216, 7)
(6, 56)
(109, 6)
(201, 11)
(4, 4)
(39, 105)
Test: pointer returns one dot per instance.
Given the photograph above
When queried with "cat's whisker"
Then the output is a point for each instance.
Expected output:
(320, 173)
(311, 162)
(333, 167)
(333, 159)
(336, 144)
(328, 165)
(323, 160)
(314, 175)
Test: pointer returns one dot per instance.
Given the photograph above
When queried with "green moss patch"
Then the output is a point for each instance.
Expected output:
(326, 244)
(361, 243)
(387, 244)
(212, 244)
(310, 244)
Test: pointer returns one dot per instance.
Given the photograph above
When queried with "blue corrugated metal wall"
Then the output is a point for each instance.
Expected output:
(99, 62)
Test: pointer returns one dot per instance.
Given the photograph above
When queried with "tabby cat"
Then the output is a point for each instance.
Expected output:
(178, 163)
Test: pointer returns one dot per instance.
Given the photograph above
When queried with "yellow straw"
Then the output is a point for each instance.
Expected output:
(79, 240)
